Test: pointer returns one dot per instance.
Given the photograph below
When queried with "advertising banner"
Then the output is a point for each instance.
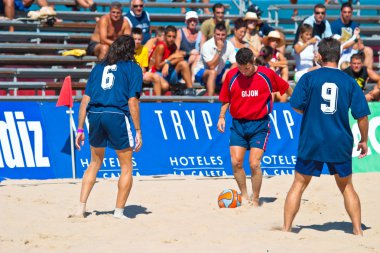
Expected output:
(178, 138)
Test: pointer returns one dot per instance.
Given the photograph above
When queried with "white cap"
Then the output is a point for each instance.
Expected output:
(191, 14)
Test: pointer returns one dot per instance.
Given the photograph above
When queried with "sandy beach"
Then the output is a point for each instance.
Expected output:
(180, 214)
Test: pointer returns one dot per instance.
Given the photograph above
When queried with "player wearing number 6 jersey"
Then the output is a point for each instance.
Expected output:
(324, 97)
(112, 99)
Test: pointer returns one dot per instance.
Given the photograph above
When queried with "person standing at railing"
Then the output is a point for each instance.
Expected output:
(138, 17)
(111, 103)
(107, 30)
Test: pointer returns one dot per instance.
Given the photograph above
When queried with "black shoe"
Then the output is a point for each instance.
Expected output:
(188, 92)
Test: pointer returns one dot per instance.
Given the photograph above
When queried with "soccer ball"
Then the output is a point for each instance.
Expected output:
(229, 199)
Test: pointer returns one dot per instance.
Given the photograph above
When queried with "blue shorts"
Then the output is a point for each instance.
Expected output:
(250, 133)
(110, 129)
(314, 168)
(172, 77)
(199, 79)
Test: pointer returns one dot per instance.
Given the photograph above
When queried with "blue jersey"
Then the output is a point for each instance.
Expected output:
(337, 26)
(19, 6)
(110, 86)
(142, 22)
(326, 95)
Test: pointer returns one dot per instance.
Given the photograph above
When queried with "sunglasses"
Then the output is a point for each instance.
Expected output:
(138, 5)
(220, 12)
(319, 13)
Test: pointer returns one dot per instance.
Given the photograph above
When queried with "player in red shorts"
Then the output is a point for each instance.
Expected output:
(247, 92)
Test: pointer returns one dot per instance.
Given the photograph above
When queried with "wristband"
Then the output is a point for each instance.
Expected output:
(167, 62)
(356, 40)
(79, 130)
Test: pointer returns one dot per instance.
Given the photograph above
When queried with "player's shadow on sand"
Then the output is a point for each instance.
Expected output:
(338, 225)
(130, 211)
(265, 200)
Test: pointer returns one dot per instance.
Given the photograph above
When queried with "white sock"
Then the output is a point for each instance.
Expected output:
(118, 213)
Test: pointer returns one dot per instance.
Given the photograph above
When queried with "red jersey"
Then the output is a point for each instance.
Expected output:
(251, 97)
(167, 52)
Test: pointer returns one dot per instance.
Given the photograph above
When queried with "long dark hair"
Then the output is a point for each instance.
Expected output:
(122, 49)
(264, 54)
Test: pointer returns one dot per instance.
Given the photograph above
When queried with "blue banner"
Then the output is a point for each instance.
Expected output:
(178, 138)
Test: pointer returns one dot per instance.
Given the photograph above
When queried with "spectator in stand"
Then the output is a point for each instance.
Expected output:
(137, 17)
(142, 58)
(167, 61)
(278, 62)
(188, 40)
(265, 56)
(107, 30)
(208, 26)
(252, 36)
(304, 51)
(8, 7)
(240, 29)
(262, 27)
(211, 67)
(88, 4)
(345, 27)
(362, 75)
(183, 9)
(152, 42)
(321, 27)
(295, 11)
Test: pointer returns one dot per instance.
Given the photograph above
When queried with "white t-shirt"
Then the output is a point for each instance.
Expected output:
(208, 52)
(305, 59)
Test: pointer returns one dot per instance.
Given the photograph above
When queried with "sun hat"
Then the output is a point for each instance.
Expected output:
(275, 35)
(250, 16)
(191, 14)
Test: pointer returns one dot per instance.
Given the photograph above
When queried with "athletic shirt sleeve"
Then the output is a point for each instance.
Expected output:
(88, 89)
(279, 84)
(135, 81)
(224, 95)
(359, 106)
(300, 97)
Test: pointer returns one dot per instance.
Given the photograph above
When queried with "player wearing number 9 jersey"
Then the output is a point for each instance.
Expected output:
(324, 97)
(112, 99)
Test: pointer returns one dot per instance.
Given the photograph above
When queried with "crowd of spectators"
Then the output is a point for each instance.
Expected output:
(204, 52)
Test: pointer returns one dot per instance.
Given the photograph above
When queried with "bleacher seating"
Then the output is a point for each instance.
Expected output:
(30, 57)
